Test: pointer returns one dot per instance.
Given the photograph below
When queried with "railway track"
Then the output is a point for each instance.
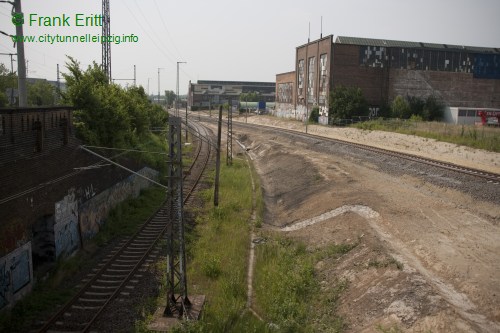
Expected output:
(121, 270)
(488, 176)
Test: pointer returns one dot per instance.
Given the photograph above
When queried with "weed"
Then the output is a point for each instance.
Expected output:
(212, 267)
(385, 263)
(466, 135)
(392, 329)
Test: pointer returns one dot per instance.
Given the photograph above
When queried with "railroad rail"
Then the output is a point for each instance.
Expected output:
(488, 176)
(118, 274)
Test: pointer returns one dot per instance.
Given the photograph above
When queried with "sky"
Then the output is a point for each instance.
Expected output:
(235, 40)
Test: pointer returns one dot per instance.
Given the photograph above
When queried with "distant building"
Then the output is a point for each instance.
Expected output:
(205, 94)
(471, 116)
(461, 76)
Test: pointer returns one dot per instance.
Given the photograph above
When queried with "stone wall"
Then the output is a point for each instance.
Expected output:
(93, 213)
(16, 275)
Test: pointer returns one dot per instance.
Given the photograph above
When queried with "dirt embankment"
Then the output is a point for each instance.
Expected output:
(426, 256)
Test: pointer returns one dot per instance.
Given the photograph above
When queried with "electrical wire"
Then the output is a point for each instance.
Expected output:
(123, 167)
(126, 150)
(166, 29)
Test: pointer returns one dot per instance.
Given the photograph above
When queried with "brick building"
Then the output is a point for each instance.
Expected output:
(461, 76)
(205, 94)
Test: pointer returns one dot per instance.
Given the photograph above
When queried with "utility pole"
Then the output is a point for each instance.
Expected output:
(176, 256)
(229, 159)
(177, 90)
(159, 83)
(217, 160)
(148, 86)
(12, 72)
(58, 84)
(186, 123)
(106, 46)
(21, 64)
(307, 76)
(134, 77)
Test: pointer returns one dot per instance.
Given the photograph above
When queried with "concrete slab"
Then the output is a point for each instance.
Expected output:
(160, 323)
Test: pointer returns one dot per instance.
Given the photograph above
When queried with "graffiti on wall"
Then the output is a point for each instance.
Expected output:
(285, 91)
(94, 212)
(16, 274)
(373, 112)
(89, 192)
(66, 225)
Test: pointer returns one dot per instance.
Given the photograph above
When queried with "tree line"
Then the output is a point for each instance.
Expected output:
(40, 92)
(107, 114)
(349, 102)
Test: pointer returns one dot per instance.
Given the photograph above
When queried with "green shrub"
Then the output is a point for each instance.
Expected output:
(314, 116)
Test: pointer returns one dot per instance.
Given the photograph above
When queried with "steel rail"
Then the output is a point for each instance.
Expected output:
(111, 260)
(489, 176)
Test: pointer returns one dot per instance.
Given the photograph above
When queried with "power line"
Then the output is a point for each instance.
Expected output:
(126, 150)
(166, 29)
(159, 44)
(123, 167)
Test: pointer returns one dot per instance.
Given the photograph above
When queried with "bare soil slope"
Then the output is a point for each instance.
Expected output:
(426, 256)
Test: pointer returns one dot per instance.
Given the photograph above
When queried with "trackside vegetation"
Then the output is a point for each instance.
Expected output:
(466, 135)
(287, 295)
(107, 114)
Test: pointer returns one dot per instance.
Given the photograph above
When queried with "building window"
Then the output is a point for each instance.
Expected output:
(323, 81)
(300, 78)
(471, 113)
(310, 82)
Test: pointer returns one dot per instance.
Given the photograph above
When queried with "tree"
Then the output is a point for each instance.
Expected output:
(433, 108)
(314, 116)
(416, 105)
(41, 93)
(346, 103)
(400, 108)
(251, 96)
(7, 80)
(107, 114)
(170, 97)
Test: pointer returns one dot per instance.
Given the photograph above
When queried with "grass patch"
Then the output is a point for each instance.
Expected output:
(288, 290)
(483, 137)
(125, 218)
(57, 288)
(218, 252)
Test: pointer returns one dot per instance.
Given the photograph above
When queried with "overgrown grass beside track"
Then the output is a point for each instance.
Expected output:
(487, 138)
(287, 292)
(218, 252)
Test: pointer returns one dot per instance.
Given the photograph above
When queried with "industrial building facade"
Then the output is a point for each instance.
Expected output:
(461, 76)
(205, 94)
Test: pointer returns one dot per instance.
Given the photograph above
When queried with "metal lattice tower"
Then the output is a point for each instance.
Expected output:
(177, 296)
(106, 46)
(229, 160)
